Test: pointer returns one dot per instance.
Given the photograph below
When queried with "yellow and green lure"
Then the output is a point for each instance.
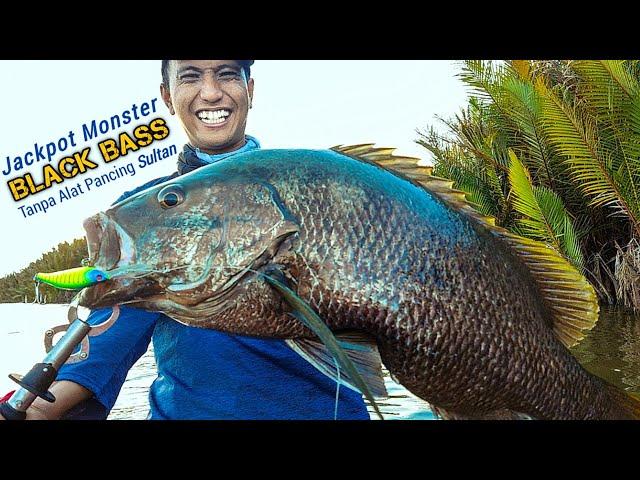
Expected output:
(74, 278)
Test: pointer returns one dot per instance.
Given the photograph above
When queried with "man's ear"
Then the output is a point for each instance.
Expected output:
(166, 98)
(250, 90)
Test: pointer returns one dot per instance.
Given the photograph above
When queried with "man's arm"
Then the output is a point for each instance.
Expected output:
(103, 372)
(68, 395)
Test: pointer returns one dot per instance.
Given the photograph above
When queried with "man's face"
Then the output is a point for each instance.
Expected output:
(211, 99)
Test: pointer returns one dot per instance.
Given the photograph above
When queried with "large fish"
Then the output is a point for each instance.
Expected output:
(465, 315)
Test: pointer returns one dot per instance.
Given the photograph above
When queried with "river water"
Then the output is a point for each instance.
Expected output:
(611, 350)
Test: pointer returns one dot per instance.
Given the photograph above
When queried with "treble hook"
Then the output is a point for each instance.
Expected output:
(37, 294)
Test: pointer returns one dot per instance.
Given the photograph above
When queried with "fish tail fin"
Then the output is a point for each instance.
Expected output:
(623, 404)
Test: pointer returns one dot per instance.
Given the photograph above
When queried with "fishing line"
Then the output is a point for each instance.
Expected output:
(335, 408)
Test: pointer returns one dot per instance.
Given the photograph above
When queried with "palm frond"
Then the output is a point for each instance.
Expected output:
(544, 216)
(574, 126)
(476, 185)
(573, 132)
(614, 94)
(571, 243)
(484, 77)
(525, 108)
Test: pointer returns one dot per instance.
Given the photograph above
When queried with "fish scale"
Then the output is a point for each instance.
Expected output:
(393, 258)
(459, 316)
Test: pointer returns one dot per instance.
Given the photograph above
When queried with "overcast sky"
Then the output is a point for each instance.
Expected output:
(297, 104)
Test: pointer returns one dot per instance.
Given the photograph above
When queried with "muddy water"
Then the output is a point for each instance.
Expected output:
(612, 349)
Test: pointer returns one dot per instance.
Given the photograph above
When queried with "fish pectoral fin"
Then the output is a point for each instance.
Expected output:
(361, 349)
(310, 319)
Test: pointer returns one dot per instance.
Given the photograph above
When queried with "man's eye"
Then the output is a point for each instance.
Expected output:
(228, 75)
(188, 76)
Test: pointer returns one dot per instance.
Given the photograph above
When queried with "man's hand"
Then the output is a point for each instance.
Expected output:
(68, 395)
(34, 413)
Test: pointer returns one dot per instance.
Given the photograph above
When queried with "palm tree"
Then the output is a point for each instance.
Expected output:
(551, 149)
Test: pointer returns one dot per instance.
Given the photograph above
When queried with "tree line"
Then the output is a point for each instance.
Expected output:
(20, 287)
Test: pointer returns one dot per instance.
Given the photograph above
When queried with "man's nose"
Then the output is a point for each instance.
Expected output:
(210, 91)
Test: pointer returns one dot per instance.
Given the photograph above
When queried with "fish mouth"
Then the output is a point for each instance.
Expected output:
(112, 250)
(119, 291)
(109, 246)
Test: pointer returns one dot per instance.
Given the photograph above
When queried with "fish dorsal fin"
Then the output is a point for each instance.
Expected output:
(570, 297)
(359, 347)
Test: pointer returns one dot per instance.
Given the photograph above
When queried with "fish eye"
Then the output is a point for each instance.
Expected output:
(170, 196)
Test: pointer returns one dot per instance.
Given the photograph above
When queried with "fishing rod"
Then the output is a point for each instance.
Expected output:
(37, 381)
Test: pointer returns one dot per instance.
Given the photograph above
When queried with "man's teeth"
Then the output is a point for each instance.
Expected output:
(213, 116)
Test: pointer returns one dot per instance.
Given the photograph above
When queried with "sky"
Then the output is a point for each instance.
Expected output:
(296, 104)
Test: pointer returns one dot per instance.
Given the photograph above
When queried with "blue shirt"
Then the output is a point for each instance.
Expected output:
(204, 374)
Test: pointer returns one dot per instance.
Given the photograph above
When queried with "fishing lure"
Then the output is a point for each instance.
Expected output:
(74, 278)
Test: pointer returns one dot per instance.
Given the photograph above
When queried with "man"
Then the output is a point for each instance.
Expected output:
(202, 374)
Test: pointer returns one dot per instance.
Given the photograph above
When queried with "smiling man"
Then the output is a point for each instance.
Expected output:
(202, 374)
(211, 100)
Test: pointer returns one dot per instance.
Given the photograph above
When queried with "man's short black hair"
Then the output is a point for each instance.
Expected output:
(245, 64)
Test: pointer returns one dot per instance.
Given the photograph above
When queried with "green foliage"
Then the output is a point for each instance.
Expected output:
(15, 287)
(552, 150)
(544, 216)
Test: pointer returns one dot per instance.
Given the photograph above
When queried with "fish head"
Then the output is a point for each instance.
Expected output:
(190, 240)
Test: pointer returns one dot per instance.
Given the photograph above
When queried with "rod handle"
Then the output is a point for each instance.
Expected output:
(10, 413)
